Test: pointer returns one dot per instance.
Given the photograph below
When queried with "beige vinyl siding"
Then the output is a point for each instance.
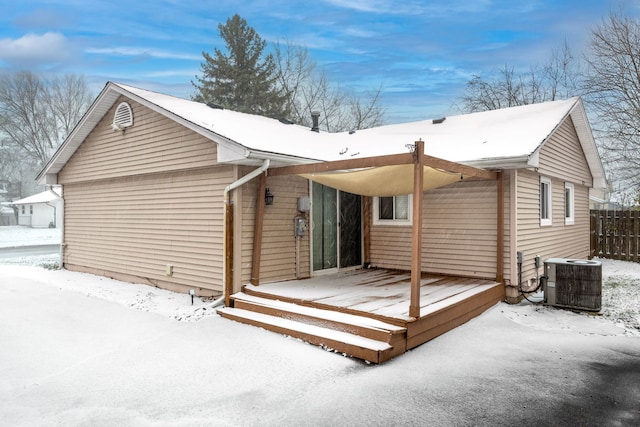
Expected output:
(279, 241)
(557, 240)
(137, 225)
(459, 233)
(562, 157)
(278, 261)
(561, 160)
(153, 144)
(140, 200)
(510, 222)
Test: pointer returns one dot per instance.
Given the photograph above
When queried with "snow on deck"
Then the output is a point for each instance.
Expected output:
(324, 314)
(380, 292)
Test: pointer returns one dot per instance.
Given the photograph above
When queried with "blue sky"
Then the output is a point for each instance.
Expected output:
(422, 52)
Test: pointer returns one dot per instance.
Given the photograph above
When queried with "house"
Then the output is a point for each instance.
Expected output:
(7, 214)
(190, 197)
(40, 210)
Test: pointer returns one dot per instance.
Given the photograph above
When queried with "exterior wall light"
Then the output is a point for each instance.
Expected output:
(268, 197)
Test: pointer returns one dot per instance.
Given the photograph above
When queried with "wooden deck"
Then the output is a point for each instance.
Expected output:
(364, 312)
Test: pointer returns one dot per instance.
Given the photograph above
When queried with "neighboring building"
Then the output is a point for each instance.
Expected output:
(600, 199)
(3, 191)
(147, 178)
(42, 210)
(7, 214)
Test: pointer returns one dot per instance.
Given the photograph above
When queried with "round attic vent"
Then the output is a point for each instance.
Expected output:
(123, 118)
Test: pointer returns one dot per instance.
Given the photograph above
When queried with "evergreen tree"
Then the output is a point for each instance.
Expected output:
(243, 79)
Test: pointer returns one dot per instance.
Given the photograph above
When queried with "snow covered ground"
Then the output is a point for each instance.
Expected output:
(77, 349)
(17, 235)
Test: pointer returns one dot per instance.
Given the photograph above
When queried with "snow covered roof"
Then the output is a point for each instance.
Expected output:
(499, 139)
(43, 197)
(508, 133)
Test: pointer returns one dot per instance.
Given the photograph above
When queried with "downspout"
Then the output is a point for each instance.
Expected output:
(61, 199)
(227, 200)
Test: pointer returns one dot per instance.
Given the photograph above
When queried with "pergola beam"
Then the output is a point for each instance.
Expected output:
(449, 166)
(348, 164)
(390, 160)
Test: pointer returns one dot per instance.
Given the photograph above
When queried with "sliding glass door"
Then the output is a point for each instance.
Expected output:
(336, 228)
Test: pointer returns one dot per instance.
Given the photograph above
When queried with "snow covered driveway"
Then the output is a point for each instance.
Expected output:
(76, 349)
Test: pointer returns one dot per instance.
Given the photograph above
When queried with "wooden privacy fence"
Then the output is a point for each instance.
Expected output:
(615, 234)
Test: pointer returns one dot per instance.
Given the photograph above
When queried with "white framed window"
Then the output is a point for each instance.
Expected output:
(545, 201)
(569, 200)
(393, 210)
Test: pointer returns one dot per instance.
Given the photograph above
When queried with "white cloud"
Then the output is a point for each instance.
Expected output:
(190, 72)
(33, 49)
(143, 51)
(414, 7)
(363, 5)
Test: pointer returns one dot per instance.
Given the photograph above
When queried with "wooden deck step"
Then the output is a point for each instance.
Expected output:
(443, 316)
(364, 337)
(332, 319)
(344, 342)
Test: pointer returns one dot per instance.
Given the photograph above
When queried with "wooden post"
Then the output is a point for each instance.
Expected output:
(592, 236)
(257, 230)
(500, 229)
(228, 252)
(416, 234)
(636, 238)
(627, 234)
(366, 229)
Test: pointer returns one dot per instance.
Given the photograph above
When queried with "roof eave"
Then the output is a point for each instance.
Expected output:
(105, 99)
(229, 151)
(585, 135)
(532, 160)
(256, 157)
(103, 102)
(513, 162)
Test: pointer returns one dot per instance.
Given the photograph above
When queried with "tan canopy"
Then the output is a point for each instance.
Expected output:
(383, 181)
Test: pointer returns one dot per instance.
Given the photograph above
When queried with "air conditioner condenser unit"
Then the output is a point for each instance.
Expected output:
(573, 283)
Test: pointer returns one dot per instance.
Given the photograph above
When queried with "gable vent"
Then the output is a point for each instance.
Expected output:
(123, 118)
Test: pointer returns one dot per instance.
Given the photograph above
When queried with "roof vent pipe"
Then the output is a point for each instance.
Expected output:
(315, 116)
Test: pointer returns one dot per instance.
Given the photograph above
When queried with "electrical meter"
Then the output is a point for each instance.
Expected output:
(300, 226)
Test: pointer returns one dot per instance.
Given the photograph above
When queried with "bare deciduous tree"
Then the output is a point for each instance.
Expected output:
(557, 78)
(613, 84)
(308, 89)
(24, 119)
(366, 113)
(36, 115)
(68, 98)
